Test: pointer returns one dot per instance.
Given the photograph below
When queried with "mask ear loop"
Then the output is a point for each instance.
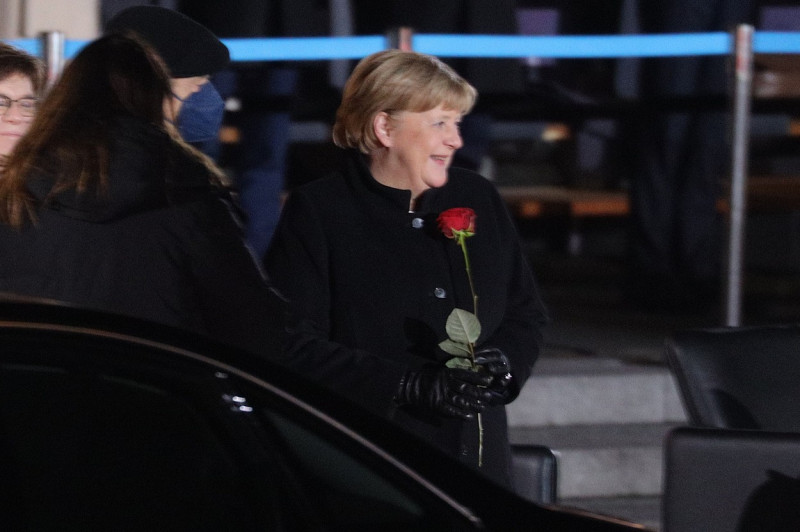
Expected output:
(173, 120)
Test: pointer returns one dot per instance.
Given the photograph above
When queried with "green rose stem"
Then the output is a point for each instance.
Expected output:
(461, 240)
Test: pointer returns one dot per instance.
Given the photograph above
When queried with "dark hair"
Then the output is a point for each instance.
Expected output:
(114, 76)
(16, 61)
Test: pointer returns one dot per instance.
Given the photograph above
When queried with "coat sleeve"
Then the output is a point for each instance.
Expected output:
(519, 335)
(237, 304)
(297, 263)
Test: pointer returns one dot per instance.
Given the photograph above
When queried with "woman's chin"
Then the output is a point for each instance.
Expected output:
(437, 179)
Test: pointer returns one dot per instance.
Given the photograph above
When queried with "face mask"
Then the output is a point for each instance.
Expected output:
(200, 116)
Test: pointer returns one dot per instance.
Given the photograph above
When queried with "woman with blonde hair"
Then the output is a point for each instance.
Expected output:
(102, 205)
(373, 278)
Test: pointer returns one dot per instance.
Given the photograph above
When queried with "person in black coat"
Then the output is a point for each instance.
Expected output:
(373, 279)
(678, 162)
(104, 206)
(267, 93)
(191, 53)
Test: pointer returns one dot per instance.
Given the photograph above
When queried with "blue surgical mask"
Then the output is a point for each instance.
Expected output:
(200, 116)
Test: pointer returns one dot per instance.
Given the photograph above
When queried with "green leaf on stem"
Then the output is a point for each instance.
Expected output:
(456, 349)
(463, 327)
(460, 363)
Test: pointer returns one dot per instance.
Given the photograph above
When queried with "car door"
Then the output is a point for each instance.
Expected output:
(98, 432)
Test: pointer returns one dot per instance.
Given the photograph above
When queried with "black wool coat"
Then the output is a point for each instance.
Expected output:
(162, 243)
(373, 285)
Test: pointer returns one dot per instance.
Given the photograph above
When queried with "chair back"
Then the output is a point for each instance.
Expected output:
(739, 377)
(535, 473)
(724, 480)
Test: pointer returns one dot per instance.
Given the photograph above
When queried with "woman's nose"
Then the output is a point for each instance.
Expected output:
(454, 139)
(13, 114)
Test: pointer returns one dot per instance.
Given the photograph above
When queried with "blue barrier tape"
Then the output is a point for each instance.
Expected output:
(501, 46)
(582, 46)
(32, 46)
(776, 42)
(71, 48)
(304, 48)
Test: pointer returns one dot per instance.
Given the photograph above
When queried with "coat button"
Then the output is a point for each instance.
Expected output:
(417, 223)
(440, 293)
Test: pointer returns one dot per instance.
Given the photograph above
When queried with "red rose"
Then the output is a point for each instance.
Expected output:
(457, 219)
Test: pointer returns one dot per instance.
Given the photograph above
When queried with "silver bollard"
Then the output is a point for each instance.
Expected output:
(54, 54)
(743, 51)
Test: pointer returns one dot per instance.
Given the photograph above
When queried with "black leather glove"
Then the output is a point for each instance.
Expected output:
(449, 391)
(496, 364)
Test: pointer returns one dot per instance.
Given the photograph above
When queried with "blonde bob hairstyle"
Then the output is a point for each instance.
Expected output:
(393, 81)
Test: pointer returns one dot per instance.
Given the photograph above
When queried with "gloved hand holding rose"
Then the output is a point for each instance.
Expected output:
(494, 362)
(449, 391)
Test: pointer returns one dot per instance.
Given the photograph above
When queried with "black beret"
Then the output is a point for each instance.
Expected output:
(188, 48)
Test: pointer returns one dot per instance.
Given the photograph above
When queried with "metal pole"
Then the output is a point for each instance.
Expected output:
(743, 51)
(341, 23)
(54, 54)
(401, 38)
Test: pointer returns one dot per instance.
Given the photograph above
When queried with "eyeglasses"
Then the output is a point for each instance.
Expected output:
(26, 106)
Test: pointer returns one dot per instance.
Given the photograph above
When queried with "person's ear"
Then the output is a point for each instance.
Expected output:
(382, 126)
